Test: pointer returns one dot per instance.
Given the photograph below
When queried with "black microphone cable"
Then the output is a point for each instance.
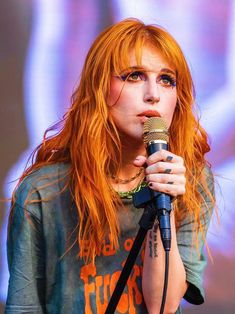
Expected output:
(156, 137)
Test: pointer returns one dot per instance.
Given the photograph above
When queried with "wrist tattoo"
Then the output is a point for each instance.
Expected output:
(150, 244)
(153, 241)
(155, 227)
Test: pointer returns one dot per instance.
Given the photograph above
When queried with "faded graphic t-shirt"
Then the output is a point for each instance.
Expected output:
(43, 279)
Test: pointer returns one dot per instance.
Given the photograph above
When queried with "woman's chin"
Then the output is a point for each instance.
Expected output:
(132, 140)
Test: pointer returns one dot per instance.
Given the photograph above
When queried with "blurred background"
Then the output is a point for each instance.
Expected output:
(43, 44)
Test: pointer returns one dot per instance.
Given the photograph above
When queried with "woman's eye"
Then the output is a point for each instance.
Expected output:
(134, 76)
(167, 80)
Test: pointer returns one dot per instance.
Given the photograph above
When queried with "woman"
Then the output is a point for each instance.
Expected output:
(72, 221)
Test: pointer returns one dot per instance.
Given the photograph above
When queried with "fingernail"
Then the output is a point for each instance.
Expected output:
(169, 158)
(167, 171)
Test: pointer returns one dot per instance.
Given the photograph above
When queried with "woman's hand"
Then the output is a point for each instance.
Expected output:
(165, 172)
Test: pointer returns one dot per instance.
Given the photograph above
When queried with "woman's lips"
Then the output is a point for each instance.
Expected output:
(148, 114)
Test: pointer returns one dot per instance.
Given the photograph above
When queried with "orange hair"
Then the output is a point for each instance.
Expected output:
(89, 140)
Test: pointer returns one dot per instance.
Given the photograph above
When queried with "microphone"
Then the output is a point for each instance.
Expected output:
(156, 137)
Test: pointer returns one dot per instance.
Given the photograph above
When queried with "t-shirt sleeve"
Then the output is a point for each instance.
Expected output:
(192, 255)
(25, 251)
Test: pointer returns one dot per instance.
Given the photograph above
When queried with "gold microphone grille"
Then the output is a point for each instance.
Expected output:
(155, 129)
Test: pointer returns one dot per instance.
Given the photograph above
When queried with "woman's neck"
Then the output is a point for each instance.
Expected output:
(128, 176)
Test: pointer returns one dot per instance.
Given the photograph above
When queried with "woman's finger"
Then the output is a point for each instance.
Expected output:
(165, 167)
(164, 155)
(166, 178)
(140, 161)
(171, 189)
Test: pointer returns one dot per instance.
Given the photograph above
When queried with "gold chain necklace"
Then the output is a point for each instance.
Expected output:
(130, 193)
(124, 181)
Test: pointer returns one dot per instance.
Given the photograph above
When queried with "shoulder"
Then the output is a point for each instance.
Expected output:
(208, 185)
(44, 175)
(41, 184)
(207, 196)
(56, 170)
(208, 173)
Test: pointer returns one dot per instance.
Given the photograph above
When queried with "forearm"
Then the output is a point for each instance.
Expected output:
(154, 269)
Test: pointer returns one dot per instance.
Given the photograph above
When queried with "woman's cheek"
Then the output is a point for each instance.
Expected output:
(115, 92)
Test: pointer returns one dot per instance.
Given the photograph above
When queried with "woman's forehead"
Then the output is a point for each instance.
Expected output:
(150, 59)
(147, 57)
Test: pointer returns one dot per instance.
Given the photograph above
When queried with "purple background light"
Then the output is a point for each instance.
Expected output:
(42, 51)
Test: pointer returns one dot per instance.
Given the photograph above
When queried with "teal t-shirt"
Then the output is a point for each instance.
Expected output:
(43, 279)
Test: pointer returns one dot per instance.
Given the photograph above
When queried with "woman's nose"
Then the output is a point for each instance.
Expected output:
(151, 99)
(151, 94)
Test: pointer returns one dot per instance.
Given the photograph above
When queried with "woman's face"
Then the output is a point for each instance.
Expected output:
(142, 91)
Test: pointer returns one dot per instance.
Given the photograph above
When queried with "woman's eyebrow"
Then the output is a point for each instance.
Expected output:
(166, 70)
(142, 68)
(134, 68)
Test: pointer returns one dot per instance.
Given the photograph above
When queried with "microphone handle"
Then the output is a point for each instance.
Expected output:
(155, 146)
(163, 202)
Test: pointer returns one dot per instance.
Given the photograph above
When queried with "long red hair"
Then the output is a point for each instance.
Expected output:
(89, 141)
